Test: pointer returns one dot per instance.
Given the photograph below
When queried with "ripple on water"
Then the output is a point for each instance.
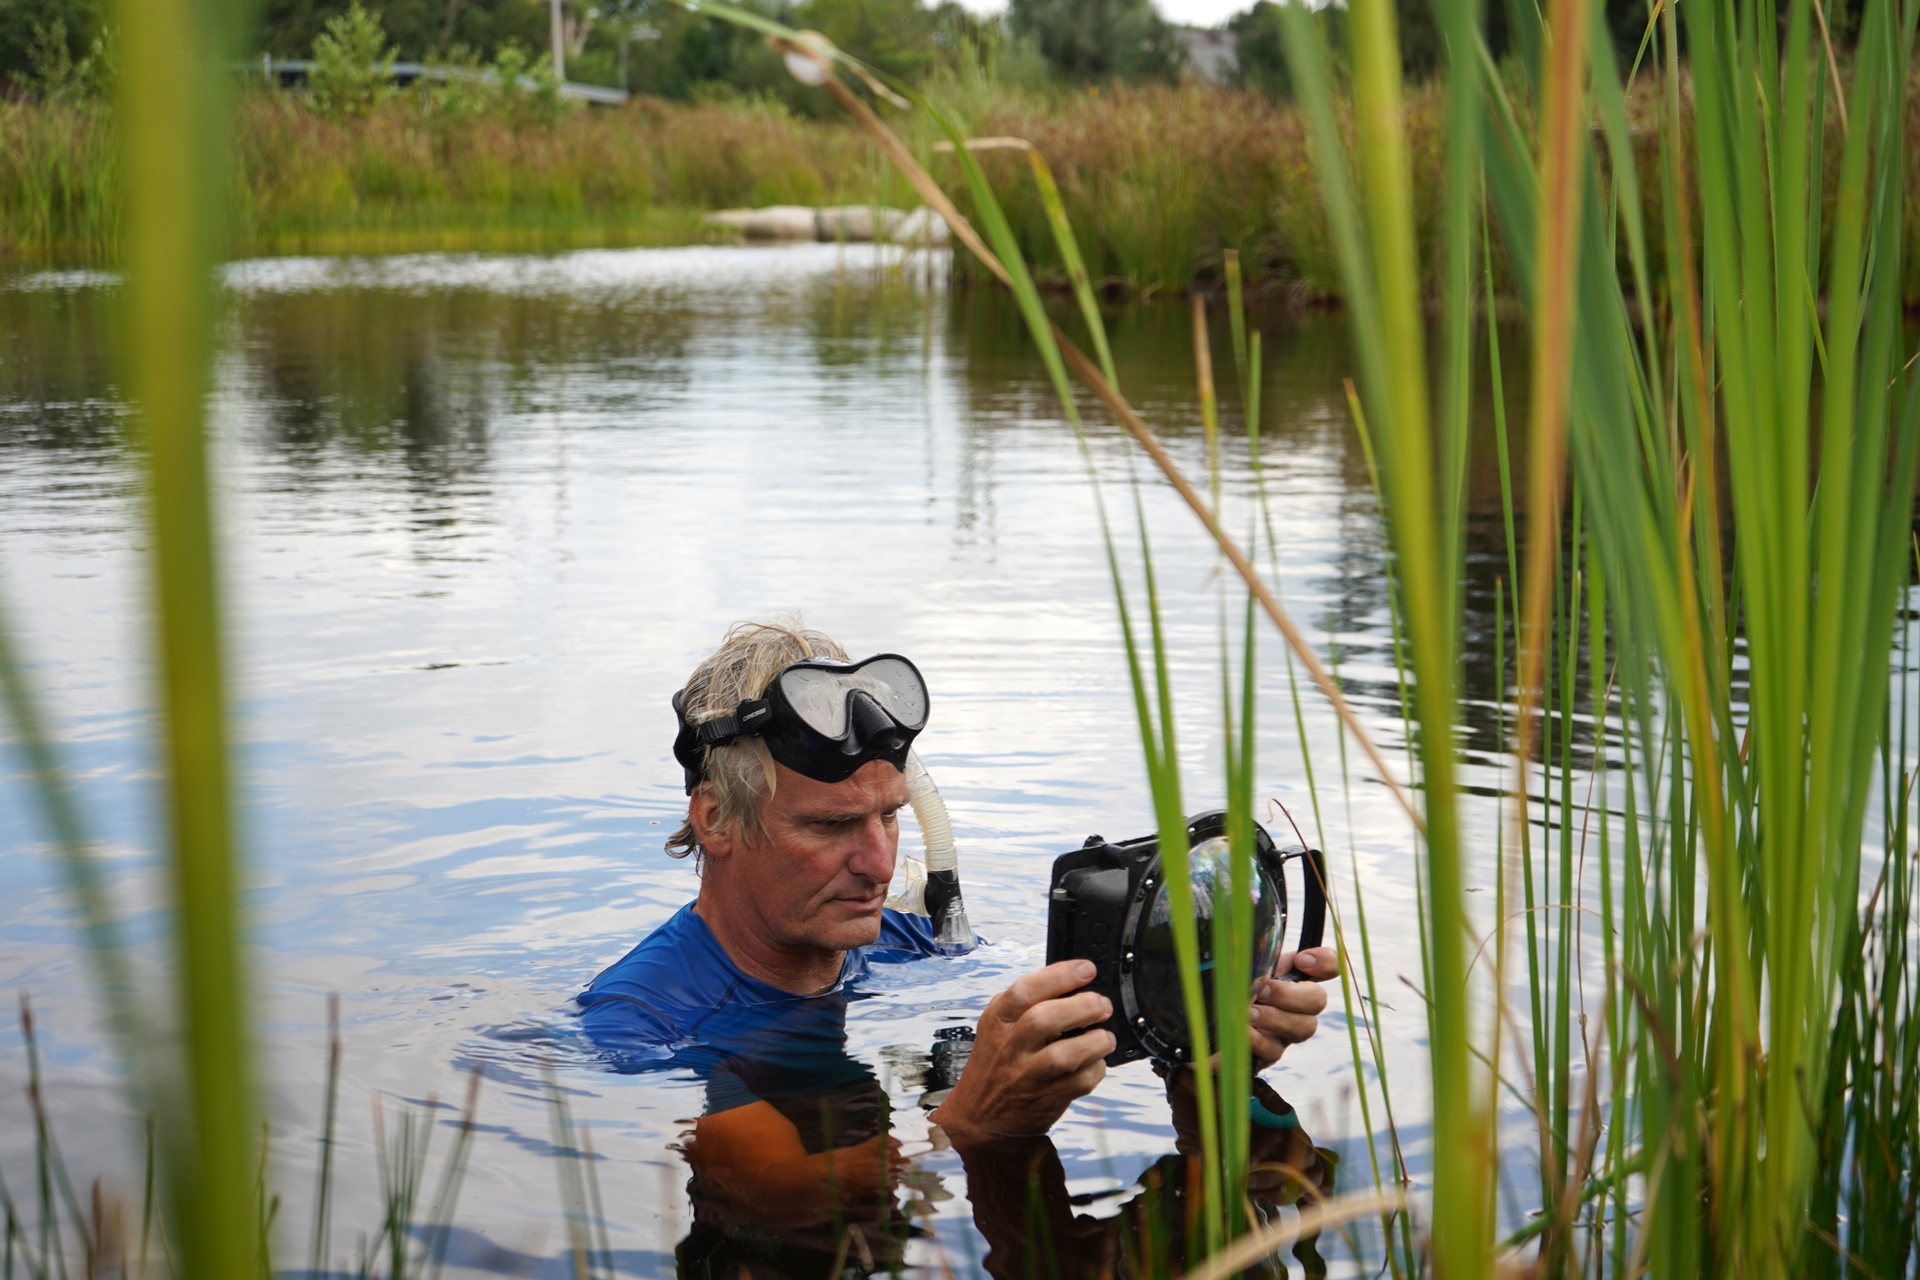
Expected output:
(484, 513)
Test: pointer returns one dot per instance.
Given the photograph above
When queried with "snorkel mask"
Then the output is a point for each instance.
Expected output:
(824, 719)
(821, 718)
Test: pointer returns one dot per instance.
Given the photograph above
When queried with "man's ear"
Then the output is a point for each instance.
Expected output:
(703, 811)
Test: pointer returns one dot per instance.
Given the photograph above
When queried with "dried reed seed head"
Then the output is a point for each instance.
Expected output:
(741, 776)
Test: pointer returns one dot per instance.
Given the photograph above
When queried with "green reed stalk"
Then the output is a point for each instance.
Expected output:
(171, 126)
(1382, 276)
(1727, 1045)
(1224, 1136)
(1247, 364)
(323, 1178)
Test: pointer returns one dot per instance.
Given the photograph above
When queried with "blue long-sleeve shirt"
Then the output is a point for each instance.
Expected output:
(678, 999)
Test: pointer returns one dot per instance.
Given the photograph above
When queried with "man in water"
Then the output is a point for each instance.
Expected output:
(795, 766)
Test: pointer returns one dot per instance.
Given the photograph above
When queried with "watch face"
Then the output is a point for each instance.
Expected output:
(1155, 970)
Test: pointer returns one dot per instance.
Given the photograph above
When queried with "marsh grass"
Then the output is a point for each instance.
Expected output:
(58, 1228)
(1678, 1128)
(1161, 182)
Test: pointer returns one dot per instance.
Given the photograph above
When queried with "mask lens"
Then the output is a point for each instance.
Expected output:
(1156, 971)
(818, 697)
(896, 687)
(819, 694)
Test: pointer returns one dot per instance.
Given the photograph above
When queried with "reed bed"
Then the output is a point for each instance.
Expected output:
(1160, 181)
(405, 177)
(638, 175)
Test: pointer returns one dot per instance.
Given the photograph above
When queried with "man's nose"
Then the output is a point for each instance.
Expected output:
(874, 856)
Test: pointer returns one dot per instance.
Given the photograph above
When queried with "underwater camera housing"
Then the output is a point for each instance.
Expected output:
(1107, 904)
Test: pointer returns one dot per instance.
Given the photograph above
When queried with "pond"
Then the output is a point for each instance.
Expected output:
(484, 514)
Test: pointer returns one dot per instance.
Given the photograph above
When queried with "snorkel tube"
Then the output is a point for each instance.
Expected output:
(952, 933)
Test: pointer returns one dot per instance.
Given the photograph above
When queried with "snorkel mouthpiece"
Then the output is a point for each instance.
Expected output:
(952, 931)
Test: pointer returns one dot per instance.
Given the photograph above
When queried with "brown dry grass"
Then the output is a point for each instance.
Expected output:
(1159, 181)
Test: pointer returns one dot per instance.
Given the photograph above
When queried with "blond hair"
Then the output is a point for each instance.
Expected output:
(741, 774)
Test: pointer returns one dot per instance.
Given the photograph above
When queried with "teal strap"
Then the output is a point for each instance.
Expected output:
(1260, 1114)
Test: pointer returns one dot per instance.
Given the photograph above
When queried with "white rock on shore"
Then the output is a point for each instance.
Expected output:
(849, 222)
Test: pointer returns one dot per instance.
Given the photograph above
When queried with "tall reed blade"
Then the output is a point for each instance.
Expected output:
(172, 73)
(1381, 271)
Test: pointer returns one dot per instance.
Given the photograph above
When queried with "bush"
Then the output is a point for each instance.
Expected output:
(55, 75)
(25, 25)
(352, 65)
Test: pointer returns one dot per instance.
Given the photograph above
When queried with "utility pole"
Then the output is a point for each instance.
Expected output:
(559, 42)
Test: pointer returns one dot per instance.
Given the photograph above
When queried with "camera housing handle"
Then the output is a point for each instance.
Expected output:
(1313, 906)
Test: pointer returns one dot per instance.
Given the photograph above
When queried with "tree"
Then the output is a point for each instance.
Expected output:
(27, 26)
(1095, 40)
(419, 29)
(1260, 51)
(352, 65)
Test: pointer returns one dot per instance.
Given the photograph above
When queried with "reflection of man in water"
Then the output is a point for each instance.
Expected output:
(795, 775)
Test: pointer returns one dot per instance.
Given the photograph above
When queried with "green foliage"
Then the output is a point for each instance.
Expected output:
(55, 75)
(897, 36)
(1095, 41)
(695, 53)
(518, 89)
(174, 147)
(419, 29)
(525, 89)
(352, 65)
(25, 26)
(1261, 54)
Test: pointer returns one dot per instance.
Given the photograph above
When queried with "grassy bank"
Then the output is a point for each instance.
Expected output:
(403, 177)
(1163, 180)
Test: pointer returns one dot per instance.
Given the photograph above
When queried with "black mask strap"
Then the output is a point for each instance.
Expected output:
(690, 743)
(746, 720)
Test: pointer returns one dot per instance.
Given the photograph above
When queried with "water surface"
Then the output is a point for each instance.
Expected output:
(483, 515)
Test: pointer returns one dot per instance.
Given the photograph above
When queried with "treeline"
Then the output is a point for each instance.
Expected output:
(657, 47)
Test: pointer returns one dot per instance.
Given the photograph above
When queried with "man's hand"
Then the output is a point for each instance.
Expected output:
(1022, 1076)
(1287, 1013)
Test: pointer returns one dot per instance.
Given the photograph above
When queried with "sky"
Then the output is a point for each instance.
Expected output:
(1190, 13)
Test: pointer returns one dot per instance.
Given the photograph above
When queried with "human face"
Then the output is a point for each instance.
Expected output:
(817, 876)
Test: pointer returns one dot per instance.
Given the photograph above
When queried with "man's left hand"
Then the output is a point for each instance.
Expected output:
(1286, 1013)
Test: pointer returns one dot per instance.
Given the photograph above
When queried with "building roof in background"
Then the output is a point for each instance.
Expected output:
(1210, 54)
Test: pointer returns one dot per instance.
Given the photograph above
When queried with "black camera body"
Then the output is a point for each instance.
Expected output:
(1099, 908)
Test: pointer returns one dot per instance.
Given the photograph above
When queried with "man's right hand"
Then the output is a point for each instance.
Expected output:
(1021, 1076)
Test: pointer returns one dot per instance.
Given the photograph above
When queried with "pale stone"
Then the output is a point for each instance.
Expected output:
(922, 227)
(781, 222)
(857, 222)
